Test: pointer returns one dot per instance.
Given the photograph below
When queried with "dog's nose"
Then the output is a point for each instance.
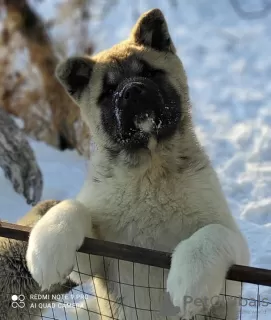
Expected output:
(133, 92)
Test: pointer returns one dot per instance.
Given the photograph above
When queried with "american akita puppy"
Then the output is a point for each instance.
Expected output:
(150, 183)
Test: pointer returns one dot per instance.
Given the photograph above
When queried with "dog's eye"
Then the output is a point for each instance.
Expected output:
(109, 89)
(107, 93)
(151, 73)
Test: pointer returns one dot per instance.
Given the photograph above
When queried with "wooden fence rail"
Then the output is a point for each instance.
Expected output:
(140, 255)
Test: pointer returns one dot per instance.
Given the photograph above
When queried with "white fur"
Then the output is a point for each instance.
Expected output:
(54, 241)
(185, 213)
(199, 265)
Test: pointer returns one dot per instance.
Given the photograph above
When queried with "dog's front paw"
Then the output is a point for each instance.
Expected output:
(52, 248)
(50, 258)
(193, 285)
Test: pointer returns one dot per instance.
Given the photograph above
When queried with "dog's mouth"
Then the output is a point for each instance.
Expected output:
(141, 111)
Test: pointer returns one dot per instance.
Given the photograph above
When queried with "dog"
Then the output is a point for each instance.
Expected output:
(149, 184)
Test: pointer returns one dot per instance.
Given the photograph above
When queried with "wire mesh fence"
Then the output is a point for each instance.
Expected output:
(130, 285)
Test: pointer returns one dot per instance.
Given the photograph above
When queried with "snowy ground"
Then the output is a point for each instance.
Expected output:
(228, 62)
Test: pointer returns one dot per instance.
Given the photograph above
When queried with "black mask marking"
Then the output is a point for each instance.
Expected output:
(139, 105)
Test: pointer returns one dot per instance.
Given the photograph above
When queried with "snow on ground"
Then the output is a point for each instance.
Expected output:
(228, 63)
(63, 174)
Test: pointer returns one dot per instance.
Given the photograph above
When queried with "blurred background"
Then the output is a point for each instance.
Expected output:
(225, 47)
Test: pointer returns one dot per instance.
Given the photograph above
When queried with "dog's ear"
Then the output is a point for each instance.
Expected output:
(151, 30)
(74, 74)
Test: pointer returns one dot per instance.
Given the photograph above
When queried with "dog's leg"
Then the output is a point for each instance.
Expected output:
(199, 266)
(53, 242)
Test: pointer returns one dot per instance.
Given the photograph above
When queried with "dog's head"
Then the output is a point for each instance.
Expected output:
(135, 91)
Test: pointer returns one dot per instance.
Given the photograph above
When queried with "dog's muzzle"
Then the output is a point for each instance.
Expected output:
(137, 102)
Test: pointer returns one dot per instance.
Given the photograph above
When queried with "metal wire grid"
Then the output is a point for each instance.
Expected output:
(135, 300)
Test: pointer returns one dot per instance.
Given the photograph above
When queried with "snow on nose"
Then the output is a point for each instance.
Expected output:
(145, 123)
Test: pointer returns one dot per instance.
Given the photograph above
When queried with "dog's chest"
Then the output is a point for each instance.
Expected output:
(142, 213)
